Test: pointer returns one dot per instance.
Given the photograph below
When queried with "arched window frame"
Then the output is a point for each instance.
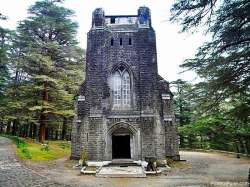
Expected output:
(121, 89)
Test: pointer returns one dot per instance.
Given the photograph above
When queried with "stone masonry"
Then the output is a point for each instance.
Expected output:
(124, 108)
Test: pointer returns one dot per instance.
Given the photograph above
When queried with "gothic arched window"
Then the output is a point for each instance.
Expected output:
(121, 88)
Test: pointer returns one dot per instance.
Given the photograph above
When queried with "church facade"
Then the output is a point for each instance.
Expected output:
(124, 108)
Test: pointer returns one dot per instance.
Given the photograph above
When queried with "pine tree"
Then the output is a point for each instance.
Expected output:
(223, 64)
(5, 43)
(183, 104)
(52, 63)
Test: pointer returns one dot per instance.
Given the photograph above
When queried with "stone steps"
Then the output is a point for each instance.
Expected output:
(121, 172)
(123, 163)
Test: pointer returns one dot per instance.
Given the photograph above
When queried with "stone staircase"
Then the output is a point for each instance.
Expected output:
(122, 168)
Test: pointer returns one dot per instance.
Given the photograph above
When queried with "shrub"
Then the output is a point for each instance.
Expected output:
(45, 147)
(84, 157)
(26, 153)
(170, 162)
(20, 143)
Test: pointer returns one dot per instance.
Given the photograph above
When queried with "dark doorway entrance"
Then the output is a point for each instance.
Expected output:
(121, 146)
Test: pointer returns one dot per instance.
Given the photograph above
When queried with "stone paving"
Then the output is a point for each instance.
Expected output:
(14, 174)
(117, 171)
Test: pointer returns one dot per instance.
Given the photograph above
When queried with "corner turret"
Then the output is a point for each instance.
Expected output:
(98, 18)
(144, 17)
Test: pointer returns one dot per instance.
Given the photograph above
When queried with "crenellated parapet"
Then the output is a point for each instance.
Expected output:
(141, 20)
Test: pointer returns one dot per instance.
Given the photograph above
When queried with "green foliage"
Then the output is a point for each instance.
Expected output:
(177, 164)
(224, 61)
(5, 42)
(221, 99)
(20, 143)
(182, 100)
(84, 157)
(183, 104)
(64, 145)
(45, 147)
(41, 67)
(26, 153)
(30, 149)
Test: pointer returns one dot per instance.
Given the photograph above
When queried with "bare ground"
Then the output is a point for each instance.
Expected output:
(201, 169)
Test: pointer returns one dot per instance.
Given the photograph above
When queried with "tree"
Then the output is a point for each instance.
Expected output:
(6, 37)
(223, 64)
(52, 63)
(182, 103)
(225, 61)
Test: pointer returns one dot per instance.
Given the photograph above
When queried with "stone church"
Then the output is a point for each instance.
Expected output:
(124, 108)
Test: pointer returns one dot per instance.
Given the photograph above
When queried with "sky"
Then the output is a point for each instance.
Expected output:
(173, 47)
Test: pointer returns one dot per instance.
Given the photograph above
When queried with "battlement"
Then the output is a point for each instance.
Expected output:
(141, 20)
(121, 19)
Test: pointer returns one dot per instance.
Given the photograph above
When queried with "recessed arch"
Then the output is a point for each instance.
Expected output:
(121, 137)
(123, 125)
(124, 65)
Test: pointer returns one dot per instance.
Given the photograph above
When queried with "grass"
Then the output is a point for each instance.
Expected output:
(178, 164)
(29, 149)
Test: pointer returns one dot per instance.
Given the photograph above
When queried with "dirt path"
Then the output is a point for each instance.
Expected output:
(201, 169)
(14, 174)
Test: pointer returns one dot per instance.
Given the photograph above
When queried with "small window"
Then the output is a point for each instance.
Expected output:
(129, 41)
(112, 42)
(120, 41)
(112, 20)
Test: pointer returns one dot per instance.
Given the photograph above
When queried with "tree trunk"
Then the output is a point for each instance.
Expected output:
(64, 128)
(42, 132)
(248, 145)
(56, 134)
(36, 132)
(244, 145)
(47, 134)
(237, 148)
(8, 128)
(14, 128)
(27, 129)
(43, 117)
(31, 130)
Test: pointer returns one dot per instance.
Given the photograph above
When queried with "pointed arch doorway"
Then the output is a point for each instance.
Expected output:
(121, 144)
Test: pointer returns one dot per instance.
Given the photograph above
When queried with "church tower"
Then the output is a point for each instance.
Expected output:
(124, 108)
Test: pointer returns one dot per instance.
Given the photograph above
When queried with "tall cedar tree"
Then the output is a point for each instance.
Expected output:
(5, 42)
(223, 63)
(52, 62)
(182, 103)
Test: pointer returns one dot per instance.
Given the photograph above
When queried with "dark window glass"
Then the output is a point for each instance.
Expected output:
(112, 42)
(120, 41)
(129, 41)
(112, 20)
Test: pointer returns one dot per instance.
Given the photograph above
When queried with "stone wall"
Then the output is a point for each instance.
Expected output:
(149, 116)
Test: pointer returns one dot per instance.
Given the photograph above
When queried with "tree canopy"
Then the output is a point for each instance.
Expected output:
(46, 68)
(223, 63)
